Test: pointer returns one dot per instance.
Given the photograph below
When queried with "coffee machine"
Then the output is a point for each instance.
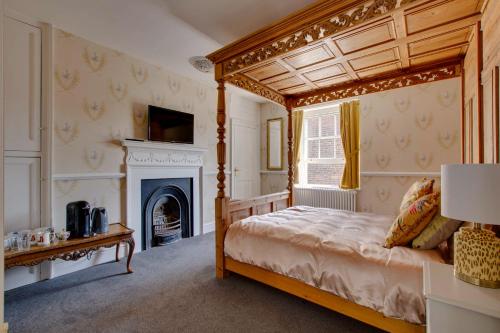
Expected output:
(78, 219)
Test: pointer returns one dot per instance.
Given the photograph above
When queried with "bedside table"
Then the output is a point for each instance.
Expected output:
(456, 306)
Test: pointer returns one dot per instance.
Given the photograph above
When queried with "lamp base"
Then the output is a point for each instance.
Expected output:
(477, 257)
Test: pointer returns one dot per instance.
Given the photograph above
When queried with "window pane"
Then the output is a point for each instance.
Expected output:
(336, 116)
(339, 149)
(324, 174)
(326, 148)
(313, 148)
(328, 125)
(313, 127)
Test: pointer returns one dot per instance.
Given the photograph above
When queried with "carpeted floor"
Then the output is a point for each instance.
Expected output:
(172, 289)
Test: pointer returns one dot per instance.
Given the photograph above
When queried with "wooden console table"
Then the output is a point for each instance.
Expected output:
(74, 249)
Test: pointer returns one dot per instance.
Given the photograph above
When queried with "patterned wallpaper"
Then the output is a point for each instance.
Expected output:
(412, 129)
(101, 97)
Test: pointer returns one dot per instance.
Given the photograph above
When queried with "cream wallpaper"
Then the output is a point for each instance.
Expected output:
(100, 98)
(412, 129)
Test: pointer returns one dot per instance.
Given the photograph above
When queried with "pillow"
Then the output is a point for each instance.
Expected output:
(439, 229)
(417, 190)
(412, 220)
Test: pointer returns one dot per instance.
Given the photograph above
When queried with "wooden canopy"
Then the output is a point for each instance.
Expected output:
(337, 49)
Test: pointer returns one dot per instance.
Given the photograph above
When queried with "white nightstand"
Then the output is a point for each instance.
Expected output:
(455, 306)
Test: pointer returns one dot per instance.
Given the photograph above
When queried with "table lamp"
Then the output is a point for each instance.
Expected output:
(471, 192)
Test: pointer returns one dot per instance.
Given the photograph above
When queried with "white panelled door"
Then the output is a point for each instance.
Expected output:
(22, 88)
(22, 56)
(245, 159)
(21, 209)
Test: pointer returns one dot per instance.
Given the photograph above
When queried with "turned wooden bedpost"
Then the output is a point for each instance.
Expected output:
(290, 151)
(221, 201)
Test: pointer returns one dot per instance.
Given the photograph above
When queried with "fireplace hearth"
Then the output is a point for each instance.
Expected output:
(167, 211)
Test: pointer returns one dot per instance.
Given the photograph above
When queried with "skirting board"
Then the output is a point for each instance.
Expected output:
(208, 227)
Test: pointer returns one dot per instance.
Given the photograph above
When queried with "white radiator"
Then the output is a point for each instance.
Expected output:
(325, 197)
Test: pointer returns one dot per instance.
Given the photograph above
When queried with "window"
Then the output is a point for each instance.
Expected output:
(322, 160)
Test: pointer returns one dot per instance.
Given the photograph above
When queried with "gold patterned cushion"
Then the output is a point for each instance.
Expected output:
(412, 220)
(417, 190)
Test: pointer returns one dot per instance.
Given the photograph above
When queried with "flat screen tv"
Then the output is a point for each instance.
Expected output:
(169, 126)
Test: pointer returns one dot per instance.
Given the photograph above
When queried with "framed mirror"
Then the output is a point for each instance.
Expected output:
(275, 144)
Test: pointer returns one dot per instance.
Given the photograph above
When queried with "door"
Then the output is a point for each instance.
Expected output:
(21, 209)
(22, 85)
(245, 155)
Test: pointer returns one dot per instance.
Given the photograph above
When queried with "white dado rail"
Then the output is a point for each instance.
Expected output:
(399, 174)
(156, 160)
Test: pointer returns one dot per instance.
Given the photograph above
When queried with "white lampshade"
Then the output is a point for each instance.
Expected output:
(471, 192)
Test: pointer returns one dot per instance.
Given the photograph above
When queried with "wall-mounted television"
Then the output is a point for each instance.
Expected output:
(169, 126)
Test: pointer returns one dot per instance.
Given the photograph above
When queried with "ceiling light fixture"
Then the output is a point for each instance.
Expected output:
(202, 64)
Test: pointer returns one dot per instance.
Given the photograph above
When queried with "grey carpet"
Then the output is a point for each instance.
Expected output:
(172, 289)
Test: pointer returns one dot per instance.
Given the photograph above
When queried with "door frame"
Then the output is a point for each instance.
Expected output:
(46, 118)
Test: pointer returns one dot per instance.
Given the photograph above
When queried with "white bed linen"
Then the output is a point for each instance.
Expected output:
(337, 251)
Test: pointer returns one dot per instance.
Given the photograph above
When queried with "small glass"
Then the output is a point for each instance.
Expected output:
(7, 243)
(25, 241)
(14, 241)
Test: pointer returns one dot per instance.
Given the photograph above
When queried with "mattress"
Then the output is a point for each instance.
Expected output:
(338, 251)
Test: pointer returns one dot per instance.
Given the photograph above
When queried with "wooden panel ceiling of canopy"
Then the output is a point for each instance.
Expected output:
(350, 47)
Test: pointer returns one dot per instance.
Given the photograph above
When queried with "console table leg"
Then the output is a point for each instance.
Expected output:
(131, 246)
(117, 251)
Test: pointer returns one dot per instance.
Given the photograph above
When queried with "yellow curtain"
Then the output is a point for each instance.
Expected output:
(297, 120)
(349, 130)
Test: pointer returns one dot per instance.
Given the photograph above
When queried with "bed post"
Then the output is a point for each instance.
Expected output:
(290, 152)
(221, 202)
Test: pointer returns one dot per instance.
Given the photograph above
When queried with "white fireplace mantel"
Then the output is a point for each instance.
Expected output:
(158, 160)
(144, 153)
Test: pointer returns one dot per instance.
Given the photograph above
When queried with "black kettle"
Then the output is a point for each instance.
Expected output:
(100, 223)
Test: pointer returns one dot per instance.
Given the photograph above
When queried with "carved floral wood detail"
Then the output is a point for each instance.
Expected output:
(252, 86)
(340, 22)
(353, 90)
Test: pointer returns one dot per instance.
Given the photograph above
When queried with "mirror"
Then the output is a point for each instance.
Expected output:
(275, 144)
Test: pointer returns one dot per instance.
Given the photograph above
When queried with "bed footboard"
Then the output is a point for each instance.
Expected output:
(228, 211)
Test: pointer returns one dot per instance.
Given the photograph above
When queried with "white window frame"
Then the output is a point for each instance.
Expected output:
(304, 160)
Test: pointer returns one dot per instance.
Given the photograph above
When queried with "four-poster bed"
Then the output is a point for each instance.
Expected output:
(333, 50)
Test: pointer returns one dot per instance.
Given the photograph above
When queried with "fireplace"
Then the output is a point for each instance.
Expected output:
(174, 172)
(166, 211)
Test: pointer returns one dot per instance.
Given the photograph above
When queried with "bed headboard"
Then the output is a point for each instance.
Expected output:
(240, 209)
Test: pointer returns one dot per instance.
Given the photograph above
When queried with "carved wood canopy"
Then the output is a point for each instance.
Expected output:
(341, 46)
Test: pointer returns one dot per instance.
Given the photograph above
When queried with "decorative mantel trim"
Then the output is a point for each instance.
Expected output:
(144, 153)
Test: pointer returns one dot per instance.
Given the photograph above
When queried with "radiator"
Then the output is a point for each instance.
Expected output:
(325, 197)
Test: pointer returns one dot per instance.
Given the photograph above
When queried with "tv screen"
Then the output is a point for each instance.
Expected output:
(169, 125)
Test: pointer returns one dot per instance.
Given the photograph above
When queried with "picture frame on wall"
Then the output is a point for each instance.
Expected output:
(468, 131)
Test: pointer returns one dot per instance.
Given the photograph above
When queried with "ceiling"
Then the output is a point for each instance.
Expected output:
(162, 32)
(228, 20)
(426, 33)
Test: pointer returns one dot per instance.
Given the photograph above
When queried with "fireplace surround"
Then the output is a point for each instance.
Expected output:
(166, 211)
(157, 160)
